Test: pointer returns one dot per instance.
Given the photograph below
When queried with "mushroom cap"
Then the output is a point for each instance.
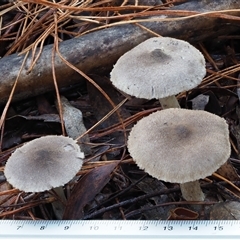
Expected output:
(159, 67)
(180, 145)
(44, 163)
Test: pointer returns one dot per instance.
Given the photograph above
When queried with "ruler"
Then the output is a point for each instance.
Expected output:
(119, 229)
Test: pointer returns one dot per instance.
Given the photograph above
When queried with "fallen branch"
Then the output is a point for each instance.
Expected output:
(98, 51)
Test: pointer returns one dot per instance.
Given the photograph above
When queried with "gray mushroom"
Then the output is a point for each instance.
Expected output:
(44, 163)
(160, 68)
(182, 146)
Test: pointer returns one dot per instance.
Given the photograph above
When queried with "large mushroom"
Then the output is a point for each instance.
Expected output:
(160, 68)
(181, 146)
(44, 163)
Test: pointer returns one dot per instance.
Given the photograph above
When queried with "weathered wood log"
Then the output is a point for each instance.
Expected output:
(98, 51)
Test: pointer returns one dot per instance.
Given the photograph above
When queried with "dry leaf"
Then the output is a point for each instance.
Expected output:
(200, 102)
(86, 189)
(73, 122)
(228, 171)
(225, 211)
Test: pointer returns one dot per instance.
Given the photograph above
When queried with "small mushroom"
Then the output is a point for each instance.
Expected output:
(182, 146)
(44, 163)
(160, 68)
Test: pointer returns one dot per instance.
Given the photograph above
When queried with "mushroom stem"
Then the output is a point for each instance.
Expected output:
(191, 191)
(169, 102)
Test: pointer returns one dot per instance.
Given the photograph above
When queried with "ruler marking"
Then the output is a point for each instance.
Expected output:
(108, 229)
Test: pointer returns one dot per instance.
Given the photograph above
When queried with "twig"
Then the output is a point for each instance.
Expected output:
(139, 211)
(130, 201)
